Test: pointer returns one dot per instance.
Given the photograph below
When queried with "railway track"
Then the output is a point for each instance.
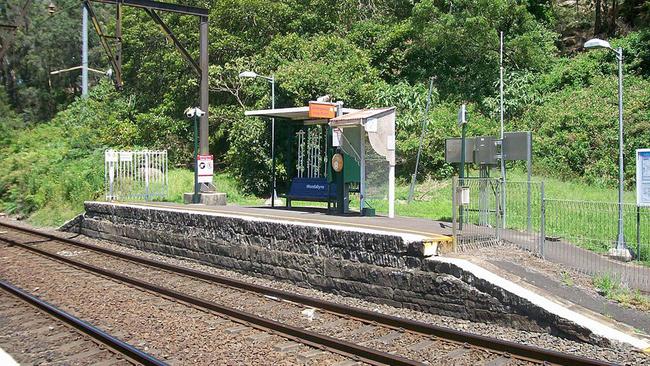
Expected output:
(38, 333)
(354, 333)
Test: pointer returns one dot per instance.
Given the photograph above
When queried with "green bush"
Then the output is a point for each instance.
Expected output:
(575, 131)
(59, 164)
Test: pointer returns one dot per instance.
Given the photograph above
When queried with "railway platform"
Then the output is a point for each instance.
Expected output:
(407, 227)
(389, 261)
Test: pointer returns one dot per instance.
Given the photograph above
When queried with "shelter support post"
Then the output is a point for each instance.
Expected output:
(362, 172)
(391, 191)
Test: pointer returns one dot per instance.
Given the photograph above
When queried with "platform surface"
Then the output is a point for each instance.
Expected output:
(417, 228)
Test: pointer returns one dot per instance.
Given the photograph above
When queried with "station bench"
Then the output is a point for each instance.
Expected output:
(311, 189)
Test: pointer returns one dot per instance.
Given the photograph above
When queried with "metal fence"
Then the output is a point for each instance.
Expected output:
(135, 175)
(580, 234)
(476, 220)
(577, 234)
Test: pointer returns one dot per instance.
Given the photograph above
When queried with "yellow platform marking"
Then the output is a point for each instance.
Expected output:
(428, 235)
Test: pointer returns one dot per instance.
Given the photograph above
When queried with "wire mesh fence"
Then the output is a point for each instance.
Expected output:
(583, 235)
(578, 234)
(135, 175)
(521, 218)
(476, 212)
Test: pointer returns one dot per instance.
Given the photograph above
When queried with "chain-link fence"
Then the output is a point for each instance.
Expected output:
(579, 234)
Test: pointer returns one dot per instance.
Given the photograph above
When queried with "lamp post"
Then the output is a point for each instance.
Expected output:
(195, 113)
(270, 79)
(621, 249)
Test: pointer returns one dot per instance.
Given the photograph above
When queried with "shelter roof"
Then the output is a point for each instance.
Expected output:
(359, 116)
(294, 113)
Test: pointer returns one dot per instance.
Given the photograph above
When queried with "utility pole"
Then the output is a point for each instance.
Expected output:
(424, 127)
(204, 132)
(84, 51)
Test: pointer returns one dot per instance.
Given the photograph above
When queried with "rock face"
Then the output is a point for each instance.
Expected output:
(375, 267)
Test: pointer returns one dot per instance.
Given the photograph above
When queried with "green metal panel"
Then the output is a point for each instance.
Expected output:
(351, 170)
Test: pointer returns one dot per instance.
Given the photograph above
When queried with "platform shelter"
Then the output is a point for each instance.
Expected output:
(334, 152)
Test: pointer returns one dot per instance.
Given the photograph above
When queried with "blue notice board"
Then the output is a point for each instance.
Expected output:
(643, 177)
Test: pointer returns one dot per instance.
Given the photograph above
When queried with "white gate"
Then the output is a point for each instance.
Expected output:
(135, 175)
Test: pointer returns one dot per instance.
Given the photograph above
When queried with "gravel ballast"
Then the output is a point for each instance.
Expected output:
(618, 352)
(172, 331)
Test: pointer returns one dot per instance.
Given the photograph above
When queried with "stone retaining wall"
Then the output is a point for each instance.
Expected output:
(375, 267)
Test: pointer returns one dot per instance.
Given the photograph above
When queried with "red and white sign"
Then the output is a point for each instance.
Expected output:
(205, 168)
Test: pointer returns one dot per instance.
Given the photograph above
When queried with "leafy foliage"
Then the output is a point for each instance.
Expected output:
(59, 162)
(365, 53)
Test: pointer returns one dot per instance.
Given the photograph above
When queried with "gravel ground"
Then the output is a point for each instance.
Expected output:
(175, 332)
(618, 352)
(406, 344)
(34, 337)
(527, 259)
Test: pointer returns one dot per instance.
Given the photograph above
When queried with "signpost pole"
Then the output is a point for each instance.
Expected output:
(195, 196)
(642, 192)
(273, 142)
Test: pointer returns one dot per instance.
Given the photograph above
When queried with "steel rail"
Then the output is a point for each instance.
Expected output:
(514, 349)
(126, 349)
(313, 339)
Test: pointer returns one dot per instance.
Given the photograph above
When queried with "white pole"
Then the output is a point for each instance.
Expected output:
(362, 184)
(620, 241)
(84, 52)
(503, 163)
(391, 191)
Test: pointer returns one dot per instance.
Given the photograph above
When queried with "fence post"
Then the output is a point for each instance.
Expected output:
(528, 208)
(542, 224)
(499, 213)
(146, 175)
(454, 198)
(638, 233)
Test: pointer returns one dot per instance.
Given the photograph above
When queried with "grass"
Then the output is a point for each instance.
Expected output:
(592, 227)
(566, 279)
(611, 288)
(54, 215)
(181, 181)
(432, 198)
(58, 211)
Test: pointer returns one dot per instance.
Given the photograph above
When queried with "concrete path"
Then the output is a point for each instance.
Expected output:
(576, 314)
(6, 359)
(561, 251)
(635, 318)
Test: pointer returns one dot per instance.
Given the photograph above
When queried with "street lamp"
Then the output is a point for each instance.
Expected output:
(270, 79)
(621, 249)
